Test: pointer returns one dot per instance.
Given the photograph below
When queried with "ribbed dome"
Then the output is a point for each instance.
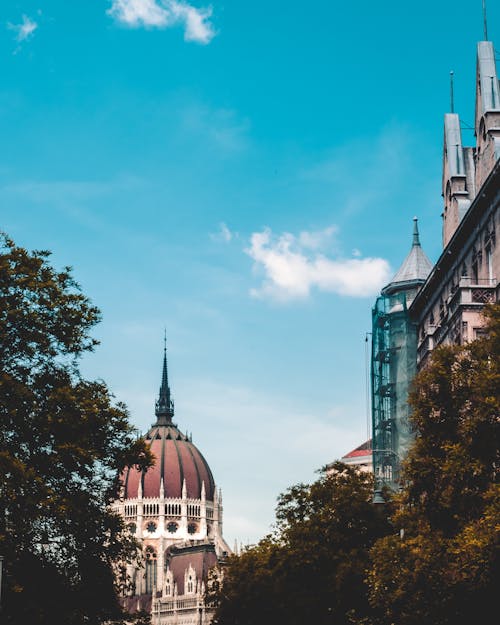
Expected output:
(177, 459)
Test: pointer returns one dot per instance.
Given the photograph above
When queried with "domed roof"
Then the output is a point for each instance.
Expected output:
(177, 460)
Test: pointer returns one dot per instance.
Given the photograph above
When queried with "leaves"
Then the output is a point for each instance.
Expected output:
(446, 568)
(63, 444)
(312, 568)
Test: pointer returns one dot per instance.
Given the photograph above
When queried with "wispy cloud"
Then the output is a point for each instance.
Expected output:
(289, 442)
(383, 163)
(223, 234)
(165, 14)
(72, 198)
(24, 30)
(223, 128)
(61, 190)
(293, 266)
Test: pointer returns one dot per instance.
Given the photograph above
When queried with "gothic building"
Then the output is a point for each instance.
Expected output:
(425, 306)
(448, 307)
(175, 512)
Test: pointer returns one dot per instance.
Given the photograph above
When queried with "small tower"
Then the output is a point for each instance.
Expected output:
(458, 181)
(393, 364)
(487, 121)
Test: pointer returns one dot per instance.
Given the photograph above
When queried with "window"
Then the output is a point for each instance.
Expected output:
(489, 263)
(151, 527)
(172, 527)
(192, 528)
(150, 570)
(480, 333)
(190, 585)
(441, 310)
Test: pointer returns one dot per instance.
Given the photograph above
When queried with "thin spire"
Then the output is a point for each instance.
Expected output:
(416, 236)
(485, 21)
(452, 97)
(164, 408)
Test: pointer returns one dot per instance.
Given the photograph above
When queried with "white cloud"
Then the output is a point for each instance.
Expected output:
(137, 13)
(292, 266)
(317, 239)
(25, 30)
(165, 14)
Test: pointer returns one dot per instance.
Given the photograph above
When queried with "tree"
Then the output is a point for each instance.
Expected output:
(312, 569)
(446, 568)
(63, 444)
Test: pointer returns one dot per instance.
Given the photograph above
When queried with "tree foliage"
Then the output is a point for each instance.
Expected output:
(63, 444)
(446, 569)
(312, 568)
(429, 556)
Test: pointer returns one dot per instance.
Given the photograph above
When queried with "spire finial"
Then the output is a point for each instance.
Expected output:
(452, 97)
(416, 236)
(164, 408)
(485, 21)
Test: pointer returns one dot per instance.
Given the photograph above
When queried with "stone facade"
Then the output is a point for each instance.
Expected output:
(447, 309)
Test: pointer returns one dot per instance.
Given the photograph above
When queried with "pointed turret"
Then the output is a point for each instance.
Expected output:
(458, 181)
(487, 122)
(164, 408)
(414, 270)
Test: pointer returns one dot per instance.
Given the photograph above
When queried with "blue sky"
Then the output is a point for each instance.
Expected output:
(245, 175)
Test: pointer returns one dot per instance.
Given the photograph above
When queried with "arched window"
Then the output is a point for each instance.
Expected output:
(190, 585)
(150, 570)
(169, 582)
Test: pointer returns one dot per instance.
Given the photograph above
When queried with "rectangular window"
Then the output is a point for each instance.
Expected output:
(489, 264)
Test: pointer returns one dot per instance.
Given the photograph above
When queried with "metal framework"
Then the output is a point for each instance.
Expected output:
(393, 365)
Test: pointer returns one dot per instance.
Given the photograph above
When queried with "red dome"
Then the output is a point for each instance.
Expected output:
(177, 459)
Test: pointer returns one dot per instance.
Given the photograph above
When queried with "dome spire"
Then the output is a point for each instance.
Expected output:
(164, 408)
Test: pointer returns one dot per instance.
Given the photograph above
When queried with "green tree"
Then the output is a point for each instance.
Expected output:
(312, 569)
(63, 444)
(446, 568)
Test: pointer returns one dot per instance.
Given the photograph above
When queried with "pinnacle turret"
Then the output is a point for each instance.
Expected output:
(416, 236)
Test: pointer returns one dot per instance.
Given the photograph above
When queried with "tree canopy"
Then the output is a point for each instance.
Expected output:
(446, 568)
(431, 555)
(63, 444)
(312, 568)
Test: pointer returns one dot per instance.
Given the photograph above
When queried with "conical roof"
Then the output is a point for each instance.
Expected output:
(414, 270)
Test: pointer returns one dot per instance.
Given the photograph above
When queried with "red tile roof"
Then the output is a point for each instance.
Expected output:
(177, 459)
(363, 450)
